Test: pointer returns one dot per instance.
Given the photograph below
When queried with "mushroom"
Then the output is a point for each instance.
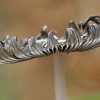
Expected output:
(47, 43)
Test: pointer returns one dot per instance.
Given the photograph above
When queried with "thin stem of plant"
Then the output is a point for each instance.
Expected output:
(59, 77)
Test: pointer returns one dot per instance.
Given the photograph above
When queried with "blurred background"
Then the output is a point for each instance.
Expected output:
(33, 79)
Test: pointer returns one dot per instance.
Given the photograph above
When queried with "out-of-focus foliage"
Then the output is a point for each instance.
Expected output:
(87, 97)
(33, 80)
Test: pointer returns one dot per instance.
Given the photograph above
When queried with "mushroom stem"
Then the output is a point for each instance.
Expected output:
(59, 77)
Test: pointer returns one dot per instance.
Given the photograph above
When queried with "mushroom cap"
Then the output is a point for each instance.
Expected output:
(46, 43)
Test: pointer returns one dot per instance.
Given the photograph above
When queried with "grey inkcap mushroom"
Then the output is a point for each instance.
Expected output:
(46, 43)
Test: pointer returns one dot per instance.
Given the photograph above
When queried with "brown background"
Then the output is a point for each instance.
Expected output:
(33, 79)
